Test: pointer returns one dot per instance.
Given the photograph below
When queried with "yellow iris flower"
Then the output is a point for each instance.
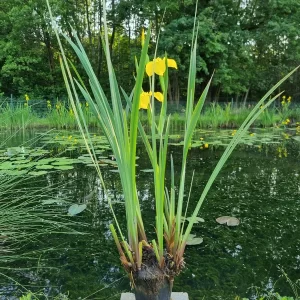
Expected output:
(145, 98)
(158, 66)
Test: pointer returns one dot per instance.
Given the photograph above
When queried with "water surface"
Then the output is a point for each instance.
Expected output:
(257, 186)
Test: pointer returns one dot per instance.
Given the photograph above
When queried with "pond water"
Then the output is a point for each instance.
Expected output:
(260, 185)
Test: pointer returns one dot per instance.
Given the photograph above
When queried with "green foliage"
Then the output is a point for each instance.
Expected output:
(249, 45)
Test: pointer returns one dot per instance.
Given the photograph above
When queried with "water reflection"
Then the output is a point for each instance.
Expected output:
(255, 186)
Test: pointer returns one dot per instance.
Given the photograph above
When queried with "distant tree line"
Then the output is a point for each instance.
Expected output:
(249, 44)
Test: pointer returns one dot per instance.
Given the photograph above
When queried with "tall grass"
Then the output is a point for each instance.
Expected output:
(215, 115)
(16, 117)
(24, 217)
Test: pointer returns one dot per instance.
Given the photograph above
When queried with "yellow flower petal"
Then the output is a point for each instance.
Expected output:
(172, 63)
(156, 66)
(159, 96)
(160, 66)
(144, 100)
(150, 68)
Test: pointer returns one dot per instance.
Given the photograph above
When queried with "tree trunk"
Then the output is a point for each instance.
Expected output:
(100, 50)
(176, 90)
(246, 97)
(217, 95)
(88, 22)
(112, 38)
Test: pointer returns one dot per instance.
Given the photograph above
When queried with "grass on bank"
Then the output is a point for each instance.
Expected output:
(59, 115)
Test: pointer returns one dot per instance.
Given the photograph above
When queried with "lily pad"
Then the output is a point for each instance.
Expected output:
(108, 161)
(233, 222)
(147, 170)
(64, 161)
(7, 166)
(229, 221)
(197, 219)
(44, 167)
(222, 220)
(38, 173)
(193, 240)
(13, 172)
(76, 209)
(63, 167)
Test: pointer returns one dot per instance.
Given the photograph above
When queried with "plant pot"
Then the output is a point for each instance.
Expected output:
(150, 283)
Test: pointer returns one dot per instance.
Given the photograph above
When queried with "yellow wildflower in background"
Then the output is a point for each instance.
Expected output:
(158, 66)
(26, 97)
(286, 122)
(49, 104)
(289, 99)
(58, 105)
(205, 146)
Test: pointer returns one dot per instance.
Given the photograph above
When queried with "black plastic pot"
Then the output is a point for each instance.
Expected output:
(151, 284)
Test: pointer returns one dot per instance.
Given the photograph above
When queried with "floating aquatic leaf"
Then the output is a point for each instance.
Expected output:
(25, 166)
(197, 219)
(63, 167)
(39, 153)
(229, 221)
(147, 170)
(108, 161)
(75, 209)
(233, 221)
(72, 148)
(45, 161)
(13, 172)
(99, 151)
(193, 240)
(7, 166)
(14, 151)
(222, 220)
(114, 171)
(44, 167)
(23, 161)
(37, 173)
(64, 161)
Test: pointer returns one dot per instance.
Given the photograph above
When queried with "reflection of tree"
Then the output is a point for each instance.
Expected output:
(257, 187)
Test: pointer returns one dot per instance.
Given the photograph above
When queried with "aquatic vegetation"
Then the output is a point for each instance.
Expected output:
(27, 214)
(17, 117)
(229, 221)
(163, 255)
